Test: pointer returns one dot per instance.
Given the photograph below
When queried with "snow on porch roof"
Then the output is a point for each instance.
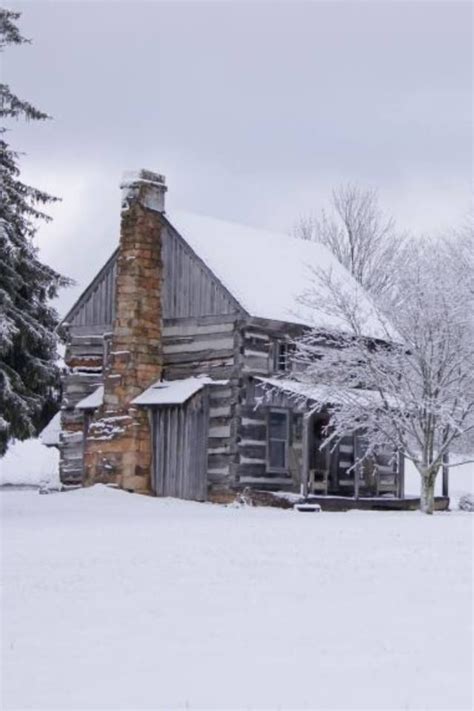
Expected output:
(322, 394)
(267, 272)
(173, 392)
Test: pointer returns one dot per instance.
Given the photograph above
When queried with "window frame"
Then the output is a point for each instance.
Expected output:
(284, 411)
(282, 352)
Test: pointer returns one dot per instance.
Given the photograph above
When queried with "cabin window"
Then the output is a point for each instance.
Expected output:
(278, 436)
(282, 356)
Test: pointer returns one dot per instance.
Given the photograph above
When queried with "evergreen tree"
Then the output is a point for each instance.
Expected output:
(29, 373)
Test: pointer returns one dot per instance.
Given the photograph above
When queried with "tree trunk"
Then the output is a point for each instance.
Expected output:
(428, 479)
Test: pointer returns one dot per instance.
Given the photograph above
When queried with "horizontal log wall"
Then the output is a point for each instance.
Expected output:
(257, 351)
(252, 468)
(260, 341)
(84, 360)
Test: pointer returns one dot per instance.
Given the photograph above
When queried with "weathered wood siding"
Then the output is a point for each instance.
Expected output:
(252, 433)
(208, 346)
(257, 351)
(180, 449)
(84, 359)
(190, 289)
(205, 331)
(96, 306)
(260, 338)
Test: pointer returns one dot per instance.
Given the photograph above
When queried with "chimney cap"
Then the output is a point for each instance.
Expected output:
(134, 177)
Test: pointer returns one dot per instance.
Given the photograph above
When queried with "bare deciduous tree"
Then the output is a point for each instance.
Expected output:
(365, 241)
(413, 388)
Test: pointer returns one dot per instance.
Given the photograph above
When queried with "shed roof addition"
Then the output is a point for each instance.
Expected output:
(173, 392)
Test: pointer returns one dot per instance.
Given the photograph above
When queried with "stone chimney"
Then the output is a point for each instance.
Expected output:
(118, 445)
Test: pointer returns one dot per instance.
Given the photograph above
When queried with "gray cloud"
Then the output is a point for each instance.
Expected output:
(253, 110)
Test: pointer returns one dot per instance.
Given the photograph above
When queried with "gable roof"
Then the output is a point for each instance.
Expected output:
(267, 272)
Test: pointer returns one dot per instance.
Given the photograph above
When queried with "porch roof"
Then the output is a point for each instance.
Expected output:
(321, 393)
(173, 392)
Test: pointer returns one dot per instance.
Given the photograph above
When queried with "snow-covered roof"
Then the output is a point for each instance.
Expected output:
(267, 272)
(49, 436)
(95, 399)
(173, 392)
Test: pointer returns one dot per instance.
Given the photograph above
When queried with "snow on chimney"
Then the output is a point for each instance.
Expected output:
(148, 187)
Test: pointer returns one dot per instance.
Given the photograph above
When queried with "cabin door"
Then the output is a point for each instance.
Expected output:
(180, 449)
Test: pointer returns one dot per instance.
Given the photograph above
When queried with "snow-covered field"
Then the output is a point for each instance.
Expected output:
(117, 601)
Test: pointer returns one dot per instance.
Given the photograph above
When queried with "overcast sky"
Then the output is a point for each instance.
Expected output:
(252, 110)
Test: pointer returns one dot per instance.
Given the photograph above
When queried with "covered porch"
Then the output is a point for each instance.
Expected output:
(330, 475)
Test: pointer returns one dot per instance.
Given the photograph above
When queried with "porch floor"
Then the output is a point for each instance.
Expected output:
(375, 503)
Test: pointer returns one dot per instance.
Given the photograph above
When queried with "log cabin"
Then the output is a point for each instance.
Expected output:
(178, 360)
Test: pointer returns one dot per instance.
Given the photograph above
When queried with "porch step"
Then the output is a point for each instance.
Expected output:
(307, 507)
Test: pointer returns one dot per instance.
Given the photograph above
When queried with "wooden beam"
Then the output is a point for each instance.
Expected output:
(356, 468)
(401, 475)
(307, 420)
(445, 489)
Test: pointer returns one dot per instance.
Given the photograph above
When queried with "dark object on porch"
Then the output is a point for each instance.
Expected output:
(466, 502)
(307, 507)
(257, 497)
(347, 503)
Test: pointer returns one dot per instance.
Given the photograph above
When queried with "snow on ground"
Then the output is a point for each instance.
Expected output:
(118, 601)
(30, 463)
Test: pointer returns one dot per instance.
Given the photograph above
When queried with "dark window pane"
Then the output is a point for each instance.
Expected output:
(278, 426)
(277, 454)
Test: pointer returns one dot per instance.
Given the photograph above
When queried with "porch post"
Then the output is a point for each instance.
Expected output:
(305, 472)
(356, 467)
(401, 475)
(445, 488)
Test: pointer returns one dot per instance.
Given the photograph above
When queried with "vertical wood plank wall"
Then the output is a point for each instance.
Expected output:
(180, 449)
(96, 307)
(189, 288)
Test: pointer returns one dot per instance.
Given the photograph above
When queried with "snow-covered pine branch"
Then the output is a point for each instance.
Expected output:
(413, 390)
(29, 374)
